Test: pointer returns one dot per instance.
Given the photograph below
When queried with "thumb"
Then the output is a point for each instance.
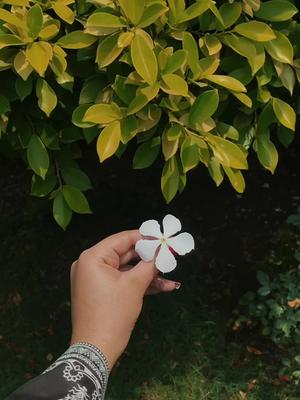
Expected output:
(144, 273)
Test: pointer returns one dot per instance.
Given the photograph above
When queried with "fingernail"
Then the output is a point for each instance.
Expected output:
(177, 285)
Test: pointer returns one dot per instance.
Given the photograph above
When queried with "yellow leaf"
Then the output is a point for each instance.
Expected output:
(50, 29)
(38, 54)
(143, 57)
(236, 179)
(64, 12)
(47, 99)
(228, 82)
(107, 51)
(174, 84)
(284, 113)
(103, 113)
(243, 98)
(109, 140)
(22, 66)
(11, 18)
(258, 31)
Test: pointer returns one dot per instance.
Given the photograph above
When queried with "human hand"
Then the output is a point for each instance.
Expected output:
(107, 294)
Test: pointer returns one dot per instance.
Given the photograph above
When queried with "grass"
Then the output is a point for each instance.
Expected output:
(182, 348)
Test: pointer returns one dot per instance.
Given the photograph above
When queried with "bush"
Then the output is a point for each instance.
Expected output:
(275, 307)
(195, 81)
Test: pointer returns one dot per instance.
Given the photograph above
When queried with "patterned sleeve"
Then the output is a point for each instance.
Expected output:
(81, 373)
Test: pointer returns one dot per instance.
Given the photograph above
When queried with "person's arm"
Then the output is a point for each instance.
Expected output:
(107, 298)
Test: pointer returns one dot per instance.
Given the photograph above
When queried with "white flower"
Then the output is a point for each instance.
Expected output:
(166, 242)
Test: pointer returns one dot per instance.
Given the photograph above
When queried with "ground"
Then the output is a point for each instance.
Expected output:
(183, 347)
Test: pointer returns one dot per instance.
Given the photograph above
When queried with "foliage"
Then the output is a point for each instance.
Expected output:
(197, 81)
(275, 307)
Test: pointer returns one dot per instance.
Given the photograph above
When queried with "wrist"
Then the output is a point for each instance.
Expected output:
(102, 346)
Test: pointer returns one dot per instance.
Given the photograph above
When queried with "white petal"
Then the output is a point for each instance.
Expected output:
(182, 243)
(150, 228)
(165, 261)
(146, 249)
(171, 225)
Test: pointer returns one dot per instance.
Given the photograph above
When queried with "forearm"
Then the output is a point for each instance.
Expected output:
(81, 372)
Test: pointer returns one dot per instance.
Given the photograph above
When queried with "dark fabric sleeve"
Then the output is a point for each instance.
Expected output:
(81, 373)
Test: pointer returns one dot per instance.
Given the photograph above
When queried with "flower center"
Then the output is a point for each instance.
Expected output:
(163, 240)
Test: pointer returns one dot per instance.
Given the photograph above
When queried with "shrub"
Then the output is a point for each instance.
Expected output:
(275, 307)
(195, 81)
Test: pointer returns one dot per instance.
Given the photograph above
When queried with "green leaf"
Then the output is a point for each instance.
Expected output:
(263, 278)
(170, 179)
(227, 81)
(47, 99)
(190, 46)
(285, 136)
(76, 200)
(102, 113)
(90, 134)
(175, 62)
(133, 9)
(175, 85)
(104, 20)
(108, 51)
(62, 213)
(76, 40)
(258, 31)
(280, 48)
(227, 153)
(266, 151)
(34, 20)
(91, 89)
(143, 58)
(189, 154)
(230, 14)
(129, 128)
(254, 52)
(76, 177)
(6, 39)
(284, 113)
(204, 107)
(151, 14)
(276, 10)
(78, 116)
(227, 131)
(264, 291)
(124, 91)
(287, 76)
(42, 187)
(215, 171)
(169, 144)
(37, 156)
(195, 10)
(236, 179)
(4, 105)
(23, 88)
(176, 9)
(109, 140)
(146, 153)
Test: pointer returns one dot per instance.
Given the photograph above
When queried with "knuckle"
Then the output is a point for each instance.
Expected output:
(84, 257)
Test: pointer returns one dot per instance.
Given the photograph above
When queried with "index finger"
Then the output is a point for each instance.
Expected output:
(120, 243)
